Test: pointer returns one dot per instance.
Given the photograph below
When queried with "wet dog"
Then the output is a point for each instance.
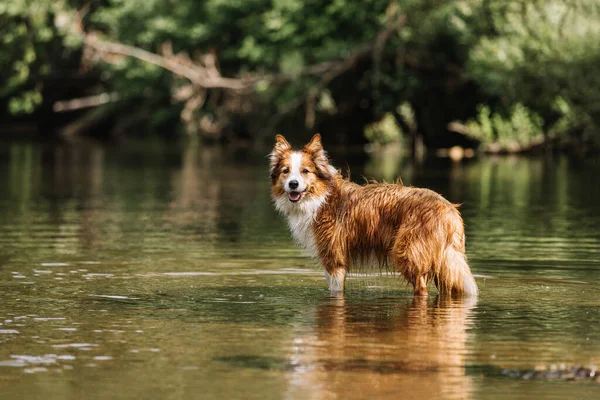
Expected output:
(414, 231)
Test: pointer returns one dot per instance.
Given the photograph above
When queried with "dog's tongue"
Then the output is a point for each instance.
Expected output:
(294, 196)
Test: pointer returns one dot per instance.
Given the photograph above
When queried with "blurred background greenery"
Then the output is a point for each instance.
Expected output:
(502, 75)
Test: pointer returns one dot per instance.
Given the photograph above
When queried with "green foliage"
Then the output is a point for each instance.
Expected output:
(18, 41)
(25, 102)
(543, 55)
(520, 130)
(385, 131)
(326, 103)
(574, 120)
(527, 60)
(407, 113)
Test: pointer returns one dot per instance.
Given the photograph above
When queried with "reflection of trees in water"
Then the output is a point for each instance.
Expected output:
(54, 193)
(221, 196)
(368, 351)
(211, 193)
(529, 208)
(90, 197)
(76, 172)
(389, 165)
(195, 196)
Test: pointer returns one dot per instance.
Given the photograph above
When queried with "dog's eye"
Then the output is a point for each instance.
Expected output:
(305, 171)
(286, 170)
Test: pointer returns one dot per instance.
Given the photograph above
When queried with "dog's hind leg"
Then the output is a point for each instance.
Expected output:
(420, 286)
(411, 256)
(412, 274)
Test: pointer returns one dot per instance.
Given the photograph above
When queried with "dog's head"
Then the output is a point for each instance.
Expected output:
(299, 174)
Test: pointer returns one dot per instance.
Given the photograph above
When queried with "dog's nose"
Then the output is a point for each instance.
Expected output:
(293, 184)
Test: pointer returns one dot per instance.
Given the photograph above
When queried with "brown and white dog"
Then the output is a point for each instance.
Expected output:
(415, 231)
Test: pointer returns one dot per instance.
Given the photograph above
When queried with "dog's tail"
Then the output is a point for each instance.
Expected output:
(455, 277)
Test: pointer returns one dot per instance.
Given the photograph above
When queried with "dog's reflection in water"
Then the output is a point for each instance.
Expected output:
(415, 349)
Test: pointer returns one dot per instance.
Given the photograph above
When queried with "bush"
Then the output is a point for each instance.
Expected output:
(520, 130)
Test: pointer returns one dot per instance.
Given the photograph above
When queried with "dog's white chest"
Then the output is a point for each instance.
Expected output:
(302, 231)
(300, 219)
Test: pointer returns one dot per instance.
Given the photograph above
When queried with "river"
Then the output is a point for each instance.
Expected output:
(145, 272)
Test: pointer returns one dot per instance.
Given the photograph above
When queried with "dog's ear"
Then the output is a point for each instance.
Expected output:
(319, 157)
(314, 146)
(281, 147)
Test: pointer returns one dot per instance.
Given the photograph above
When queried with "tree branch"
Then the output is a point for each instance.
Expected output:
(203, 72)
(209, 77)
(84, 102)
(194, 72)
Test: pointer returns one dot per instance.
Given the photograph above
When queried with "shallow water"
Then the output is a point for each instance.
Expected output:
(167, 274)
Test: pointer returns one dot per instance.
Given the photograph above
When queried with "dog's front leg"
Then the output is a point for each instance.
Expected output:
(336, 278)
(334, 260)
(332, 250)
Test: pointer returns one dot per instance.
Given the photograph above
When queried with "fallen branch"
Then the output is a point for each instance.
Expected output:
(87, 121)
(458, 127)
(84, 102)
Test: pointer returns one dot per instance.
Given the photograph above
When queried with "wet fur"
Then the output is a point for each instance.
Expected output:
(345, 225)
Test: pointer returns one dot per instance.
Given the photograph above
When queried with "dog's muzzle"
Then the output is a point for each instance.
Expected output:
(295, 196)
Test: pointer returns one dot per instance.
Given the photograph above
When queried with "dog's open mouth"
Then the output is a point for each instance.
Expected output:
(295, 196)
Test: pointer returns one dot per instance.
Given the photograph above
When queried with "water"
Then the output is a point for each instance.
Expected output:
(167, 274)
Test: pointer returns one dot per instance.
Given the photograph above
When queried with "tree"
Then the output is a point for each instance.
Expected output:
(246, 68)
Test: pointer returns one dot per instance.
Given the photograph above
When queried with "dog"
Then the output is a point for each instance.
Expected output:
(416, 232)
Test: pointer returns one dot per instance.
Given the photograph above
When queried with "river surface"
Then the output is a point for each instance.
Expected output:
(151, 273)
